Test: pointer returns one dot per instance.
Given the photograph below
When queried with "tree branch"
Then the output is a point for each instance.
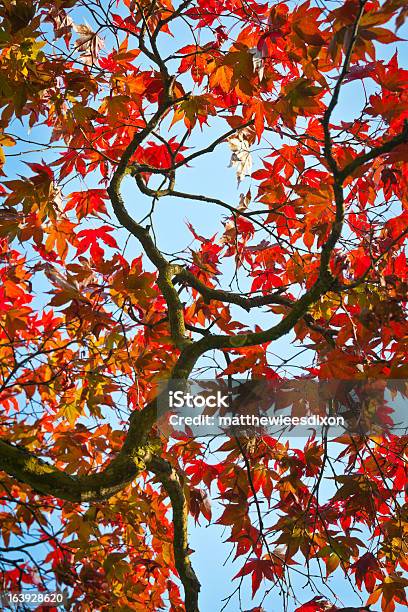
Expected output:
(246, 302)
(172, 481)
(335, 97)
(387, 147)
(165, 269)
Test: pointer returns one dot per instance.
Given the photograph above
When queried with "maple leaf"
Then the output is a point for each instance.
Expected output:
(367, 570)
(273, 35)
(58, 279)
(361, 72)
(317, 604)
(200, 503)
(90, 239)
(259, 569)
(241, 158)
(88, 43)
(89, 202)
(62, 22)
(60, 235)
(392, 590)
(223, 77)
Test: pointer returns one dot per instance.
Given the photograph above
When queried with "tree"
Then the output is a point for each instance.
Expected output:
(105, 108)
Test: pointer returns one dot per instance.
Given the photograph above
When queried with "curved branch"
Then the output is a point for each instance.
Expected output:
(335, 97)
(165, 269)
(121, 471)
(387, 147)
(140, 168)
(246, 302)
(170, 192)
(173, 484)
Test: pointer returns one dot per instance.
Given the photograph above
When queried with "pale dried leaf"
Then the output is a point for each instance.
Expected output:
(257, 61)
(60, 281)
(88, 43)
(244, 200)
(56, 195)
(61, 21)
(241, 158)
(280, 551)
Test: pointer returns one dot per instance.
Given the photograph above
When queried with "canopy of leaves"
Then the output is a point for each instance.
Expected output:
(105, 108)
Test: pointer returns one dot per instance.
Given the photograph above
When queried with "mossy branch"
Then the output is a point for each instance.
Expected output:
(172, 481)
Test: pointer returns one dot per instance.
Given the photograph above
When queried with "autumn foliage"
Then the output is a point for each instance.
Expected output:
(106, 110)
